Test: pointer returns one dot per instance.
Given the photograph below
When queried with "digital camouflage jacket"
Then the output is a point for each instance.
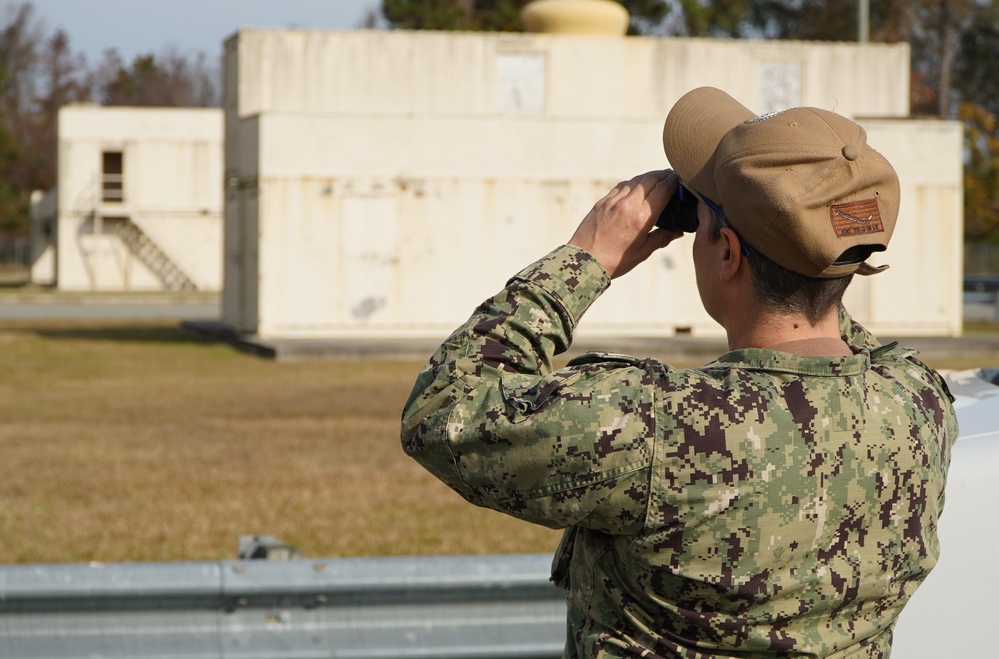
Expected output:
(765, 504)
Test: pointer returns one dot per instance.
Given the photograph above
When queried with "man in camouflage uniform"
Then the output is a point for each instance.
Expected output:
(781, 500)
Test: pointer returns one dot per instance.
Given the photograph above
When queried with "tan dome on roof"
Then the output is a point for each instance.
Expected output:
(594, 17)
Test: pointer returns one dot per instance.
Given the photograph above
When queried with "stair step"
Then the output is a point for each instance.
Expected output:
(144, 247)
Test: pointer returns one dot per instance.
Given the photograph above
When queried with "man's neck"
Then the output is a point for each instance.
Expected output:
(823, 346)
(789, 333)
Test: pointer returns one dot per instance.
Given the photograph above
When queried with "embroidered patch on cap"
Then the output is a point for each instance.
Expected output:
(856, 218)
(764, 117)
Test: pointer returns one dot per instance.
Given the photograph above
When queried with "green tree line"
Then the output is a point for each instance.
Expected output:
(954, 46)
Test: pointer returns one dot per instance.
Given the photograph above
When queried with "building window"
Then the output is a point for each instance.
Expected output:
(112, 177)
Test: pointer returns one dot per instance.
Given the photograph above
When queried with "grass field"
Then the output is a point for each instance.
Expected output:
(124, 443)
(134, 443)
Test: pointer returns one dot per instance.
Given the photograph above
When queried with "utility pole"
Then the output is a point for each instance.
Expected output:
(946, 55)
(863, 21)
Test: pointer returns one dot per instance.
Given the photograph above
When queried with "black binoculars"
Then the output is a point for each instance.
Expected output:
(680, 214)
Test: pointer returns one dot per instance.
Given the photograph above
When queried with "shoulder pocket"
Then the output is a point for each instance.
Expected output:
(598, 357)
(532, 394)
(528, 394)
(882, 351)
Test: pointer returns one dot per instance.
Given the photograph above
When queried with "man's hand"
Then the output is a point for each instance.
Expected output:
(620, 230)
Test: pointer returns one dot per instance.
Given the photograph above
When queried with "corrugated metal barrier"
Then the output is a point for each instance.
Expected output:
(481, 607)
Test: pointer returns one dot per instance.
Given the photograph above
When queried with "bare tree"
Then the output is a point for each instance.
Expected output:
(20, 34)
(38, 74)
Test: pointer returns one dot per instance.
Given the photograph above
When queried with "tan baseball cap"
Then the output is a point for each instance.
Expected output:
(801, 186)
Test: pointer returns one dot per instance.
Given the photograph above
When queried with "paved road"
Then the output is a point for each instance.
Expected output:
(109, 310)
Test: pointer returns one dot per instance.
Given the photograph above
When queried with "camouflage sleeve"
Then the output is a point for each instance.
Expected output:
(490, 417)
(854, 333)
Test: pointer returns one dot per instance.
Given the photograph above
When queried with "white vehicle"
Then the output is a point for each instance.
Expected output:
(952, 612)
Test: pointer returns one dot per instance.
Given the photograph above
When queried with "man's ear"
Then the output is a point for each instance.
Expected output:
(732, 255)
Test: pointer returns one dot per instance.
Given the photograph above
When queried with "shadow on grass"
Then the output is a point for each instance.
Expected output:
(125, 333)
(987, 327)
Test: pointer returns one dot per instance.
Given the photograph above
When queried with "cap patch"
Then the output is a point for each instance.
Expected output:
(856, 218)
(764, 117)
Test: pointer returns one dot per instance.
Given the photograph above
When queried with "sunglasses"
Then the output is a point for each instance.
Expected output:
(689, 196)
(681, 214)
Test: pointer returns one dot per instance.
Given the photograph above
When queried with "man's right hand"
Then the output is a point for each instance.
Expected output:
(620, 230)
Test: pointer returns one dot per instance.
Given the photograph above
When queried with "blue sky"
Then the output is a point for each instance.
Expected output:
(142, 26)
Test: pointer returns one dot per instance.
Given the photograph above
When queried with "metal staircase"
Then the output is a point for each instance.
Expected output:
(174, 276)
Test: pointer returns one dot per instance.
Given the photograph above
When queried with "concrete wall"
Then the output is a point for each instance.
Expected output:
(41, 237)
(452, 74)
(922, 291)
(384, 183)
(172, 182)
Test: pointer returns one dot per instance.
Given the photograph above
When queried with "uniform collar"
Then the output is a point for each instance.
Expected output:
(767, 359)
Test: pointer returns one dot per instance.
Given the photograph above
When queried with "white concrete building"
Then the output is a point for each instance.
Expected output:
(138, 203)
(383, 183)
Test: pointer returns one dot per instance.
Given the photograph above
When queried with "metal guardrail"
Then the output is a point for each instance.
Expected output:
(464, 607)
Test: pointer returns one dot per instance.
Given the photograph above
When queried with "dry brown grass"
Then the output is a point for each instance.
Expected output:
(132, 443)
